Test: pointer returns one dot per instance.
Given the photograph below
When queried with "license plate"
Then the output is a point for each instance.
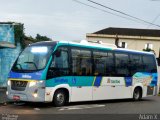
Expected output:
(15, 97)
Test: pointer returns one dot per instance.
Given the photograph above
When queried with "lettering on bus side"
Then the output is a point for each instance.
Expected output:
(61, 80)
(115, 81)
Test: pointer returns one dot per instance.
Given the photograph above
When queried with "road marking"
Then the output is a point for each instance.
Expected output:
(36, 109)
(78, 107)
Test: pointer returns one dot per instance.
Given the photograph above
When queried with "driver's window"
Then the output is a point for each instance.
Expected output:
(59, 65)
(60, 61)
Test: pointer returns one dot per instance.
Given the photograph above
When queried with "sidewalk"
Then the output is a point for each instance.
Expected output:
(3, 97)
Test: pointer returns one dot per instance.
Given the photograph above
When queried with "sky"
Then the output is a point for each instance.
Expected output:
(69, 20)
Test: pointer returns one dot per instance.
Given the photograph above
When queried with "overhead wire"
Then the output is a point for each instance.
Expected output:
(108, 11)
(125, 15)
(154, 20)
(118, 11)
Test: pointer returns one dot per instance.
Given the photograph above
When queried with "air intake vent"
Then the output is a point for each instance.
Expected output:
(18, 85)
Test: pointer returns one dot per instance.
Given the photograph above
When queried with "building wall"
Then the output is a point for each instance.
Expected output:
(7, 33)
(8, 54)
(135, 44)
(7, 58)
(140, 44)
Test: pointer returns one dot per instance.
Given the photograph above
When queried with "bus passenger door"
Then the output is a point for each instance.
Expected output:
(81, 74)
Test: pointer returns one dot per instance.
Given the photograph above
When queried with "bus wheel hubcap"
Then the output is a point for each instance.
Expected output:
(60, 98)
(136, 95)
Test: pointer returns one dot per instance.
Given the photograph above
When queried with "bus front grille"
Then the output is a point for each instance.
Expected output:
(18, 85)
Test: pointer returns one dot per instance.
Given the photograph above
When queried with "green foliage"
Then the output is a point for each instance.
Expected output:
(21, 38)
(19, 34)
(38, 38)
(149, 50)
(42, 38)
(30, 38)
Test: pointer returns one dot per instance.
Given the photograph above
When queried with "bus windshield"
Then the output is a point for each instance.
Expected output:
(33, 58)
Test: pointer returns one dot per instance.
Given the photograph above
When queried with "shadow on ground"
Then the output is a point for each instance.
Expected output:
(50, 105)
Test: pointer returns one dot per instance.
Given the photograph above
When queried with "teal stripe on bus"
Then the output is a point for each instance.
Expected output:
(82, 46)
(71, 81)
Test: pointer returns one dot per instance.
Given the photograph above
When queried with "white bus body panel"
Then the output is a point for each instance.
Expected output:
(112, 88)
(109, 92)
(81, 93)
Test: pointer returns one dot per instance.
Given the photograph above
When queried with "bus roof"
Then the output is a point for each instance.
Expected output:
(134, 51)
(90, 45)
(44, 43)
(103, 46)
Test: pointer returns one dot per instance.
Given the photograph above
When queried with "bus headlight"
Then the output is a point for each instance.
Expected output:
(32, 83)
(35, 94)
(41, 81)
(9, 82)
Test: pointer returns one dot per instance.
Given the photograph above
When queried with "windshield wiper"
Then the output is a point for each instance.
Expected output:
(33, 64)
(20, 66)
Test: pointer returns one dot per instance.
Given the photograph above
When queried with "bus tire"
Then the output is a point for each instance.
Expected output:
(137, 94)
(59, 98)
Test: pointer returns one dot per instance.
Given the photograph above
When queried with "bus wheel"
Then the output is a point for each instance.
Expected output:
(137, 95)
(59, 98)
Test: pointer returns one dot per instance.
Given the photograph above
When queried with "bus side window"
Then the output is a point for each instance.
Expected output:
(81, 62)
(103, 63)
(149, 64)
(135, 63)
(122, 61)
(59, 65)
(99, 63)
(110, 64)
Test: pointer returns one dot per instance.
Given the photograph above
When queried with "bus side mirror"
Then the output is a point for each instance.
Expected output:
(58, 53)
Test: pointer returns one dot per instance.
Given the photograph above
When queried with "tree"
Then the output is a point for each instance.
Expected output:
(29, 39)
(42, 38)
(149, 50)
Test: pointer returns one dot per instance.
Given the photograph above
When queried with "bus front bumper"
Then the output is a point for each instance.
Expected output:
(25, 97)
(26, 90)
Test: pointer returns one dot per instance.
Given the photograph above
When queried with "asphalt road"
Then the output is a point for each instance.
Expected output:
(91, 110)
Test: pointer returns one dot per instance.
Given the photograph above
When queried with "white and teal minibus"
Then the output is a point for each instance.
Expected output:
(62, 72)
